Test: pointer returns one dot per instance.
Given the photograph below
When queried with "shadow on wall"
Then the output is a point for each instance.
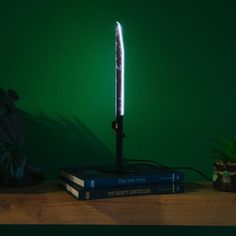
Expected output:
(53, 144)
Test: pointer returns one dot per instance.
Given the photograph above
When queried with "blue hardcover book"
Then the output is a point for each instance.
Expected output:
(95, 177)
(121, 191)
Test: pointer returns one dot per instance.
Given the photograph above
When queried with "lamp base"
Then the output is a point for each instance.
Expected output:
(123, 170)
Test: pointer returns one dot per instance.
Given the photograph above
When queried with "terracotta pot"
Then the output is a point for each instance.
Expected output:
(224, 176)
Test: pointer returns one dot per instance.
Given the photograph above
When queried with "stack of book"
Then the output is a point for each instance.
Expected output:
(86, 183)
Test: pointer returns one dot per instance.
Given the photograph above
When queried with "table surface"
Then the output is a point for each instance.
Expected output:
(49, 204)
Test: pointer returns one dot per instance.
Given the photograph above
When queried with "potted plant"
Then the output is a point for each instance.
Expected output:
(224, 169)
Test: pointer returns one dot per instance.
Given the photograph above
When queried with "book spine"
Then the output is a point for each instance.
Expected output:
(88, 194)
(134, 180)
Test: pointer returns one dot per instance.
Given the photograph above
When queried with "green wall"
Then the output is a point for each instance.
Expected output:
(180, 78)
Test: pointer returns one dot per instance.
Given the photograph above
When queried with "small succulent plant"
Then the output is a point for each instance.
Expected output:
(227, 152)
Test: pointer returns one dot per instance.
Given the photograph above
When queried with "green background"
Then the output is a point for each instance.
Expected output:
(180, 78)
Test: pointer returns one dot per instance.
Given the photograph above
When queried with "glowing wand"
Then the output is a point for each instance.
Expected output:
(118, 123)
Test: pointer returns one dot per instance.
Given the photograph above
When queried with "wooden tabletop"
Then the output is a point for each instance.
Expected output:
(49, 204)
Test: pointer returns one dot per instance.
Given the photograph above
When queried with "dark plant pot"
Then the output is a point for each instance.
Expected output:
(224, 176)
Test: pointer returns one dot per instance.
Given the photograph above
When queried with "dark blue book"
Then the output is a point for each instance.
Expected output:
(95, 177)
(122, 191)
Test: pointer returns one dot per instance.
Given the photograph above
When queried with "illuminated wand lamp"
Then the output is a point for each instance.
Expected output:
(117, 125)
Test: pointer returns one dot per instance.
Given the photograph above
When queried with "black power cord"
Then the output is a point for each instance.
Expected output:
(168, 167)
